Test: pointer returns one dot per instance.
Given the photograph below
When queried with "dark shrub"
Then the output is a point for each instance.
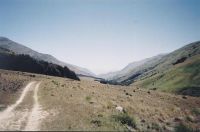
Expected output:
(125, 119)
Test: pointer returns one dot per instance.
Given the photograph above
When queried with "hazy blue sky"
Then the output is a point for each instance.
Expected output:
(101, 35)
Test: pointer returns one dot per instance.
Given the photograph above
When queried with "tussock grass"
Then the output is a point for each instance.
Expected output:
(196, 111)
(88, 98)
(184, 128)
(55, 82)
(125, 119)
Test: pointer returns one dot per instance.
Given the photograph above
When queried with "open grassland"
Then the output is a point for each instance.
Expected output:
(89, 105)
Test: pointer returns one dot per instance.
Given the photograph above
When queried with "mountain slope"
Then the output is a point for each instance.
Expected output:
(20, 49)
(130, 68)
(25, 63)
(183, 78)
(169, 66)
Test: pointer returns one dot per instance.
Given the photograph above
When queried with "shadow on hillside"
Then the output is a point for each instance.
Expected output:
(192, 91)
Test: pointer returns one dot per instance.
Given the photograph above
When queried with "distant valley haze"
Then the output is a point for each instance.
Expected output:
(101, 35)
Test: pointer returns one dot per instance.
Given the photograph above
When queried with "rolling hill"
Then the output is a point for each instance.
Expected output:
(18, 62)
(176, 72)
(21, 49)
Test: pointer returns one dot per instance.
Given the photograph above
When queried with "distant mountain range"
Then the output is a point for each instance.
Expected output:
(129, 68)
(21, 49)
(178, 71)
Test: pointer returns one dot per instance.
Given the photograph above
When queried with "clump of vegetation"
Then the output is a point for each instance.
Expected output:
(32, 75)
(181, 60)
(125, 119)
(97, 122)
(100, 115)
(63, 85)
(2, 107)
(109, 105)
(190, 118)
(88, 98)
(54, 82)
(156, 126)
(183, 128)
(196, 111)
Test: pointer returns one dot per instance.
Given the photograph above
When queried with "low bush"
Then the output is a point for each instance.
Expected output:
(88, 98)
(196, 111)
(54, 82)
(125, 119)
(183, 128)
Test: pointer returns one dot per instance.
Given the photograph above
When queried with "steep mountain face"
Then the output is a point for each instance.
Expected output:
(20, 49)
(175, 72)
(18, 62)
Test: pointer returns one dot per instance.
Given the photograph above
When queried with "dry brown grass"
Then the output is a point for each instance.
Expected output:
(89, 105)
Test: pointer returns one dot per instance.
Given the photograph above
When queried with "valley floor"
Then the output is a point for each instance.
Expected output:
(65, 104)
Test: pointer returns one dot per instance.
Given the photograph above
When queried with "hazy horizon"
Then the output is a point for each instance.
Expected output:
(100, 35)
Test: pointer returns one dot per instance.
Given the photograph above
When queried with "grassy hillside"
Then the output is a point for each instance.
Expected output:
(176, 72)
(182, 78)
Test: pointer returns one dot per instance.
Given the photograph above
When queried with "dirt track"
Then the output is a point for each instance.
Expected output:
(19, 117)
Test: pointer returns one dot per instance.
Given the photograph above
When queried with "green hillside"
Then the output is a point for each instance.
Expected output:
(178, 72)
(183, 78)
